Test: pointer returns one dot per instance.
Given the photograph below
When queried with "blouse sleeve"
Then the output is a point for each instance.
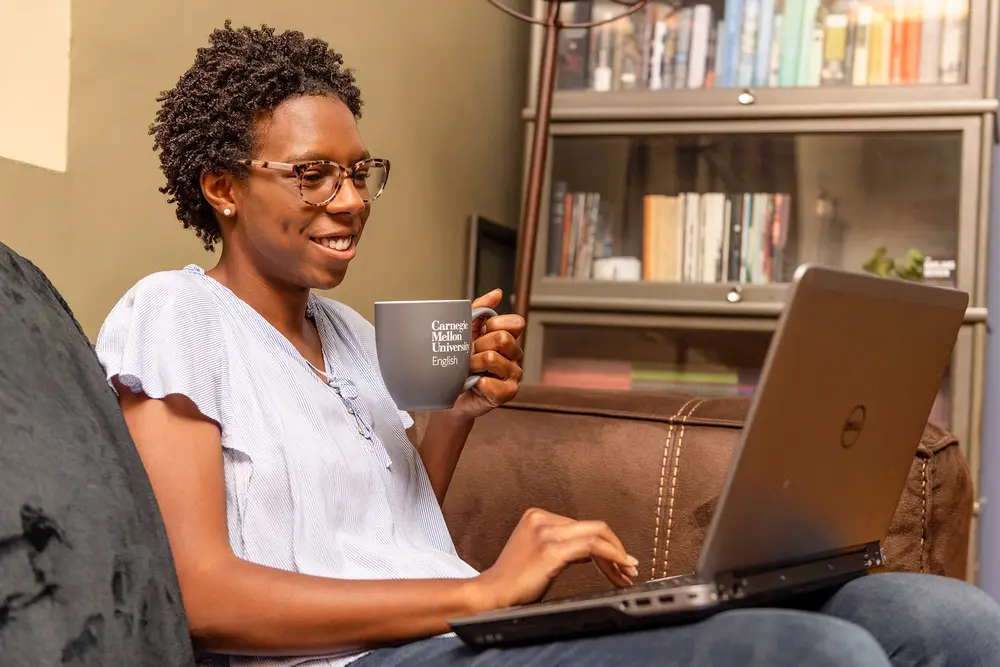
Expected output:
(162, 338)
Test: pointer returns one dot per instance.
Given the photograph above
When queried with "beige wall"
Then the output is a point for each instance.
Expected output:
(34, 83)
(442, 102)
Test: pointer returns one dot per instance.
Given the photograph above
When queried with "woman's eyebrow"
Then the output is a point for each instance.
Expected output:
(364, 155)
(310, 156)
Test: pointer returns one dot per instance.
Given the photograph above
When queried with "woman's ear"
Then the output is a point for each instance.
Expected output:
(218, 191)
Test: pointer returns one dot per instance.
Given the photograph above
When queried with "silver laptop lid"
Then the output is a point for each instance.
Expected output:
(847, 385)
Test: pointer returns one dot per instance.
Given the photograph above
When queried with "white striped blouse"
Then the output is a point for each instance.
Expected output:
(320, 477)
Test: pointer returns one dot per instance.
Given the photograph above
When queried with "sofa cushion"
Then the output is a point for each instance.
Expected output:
(86, 576)
(652, 466)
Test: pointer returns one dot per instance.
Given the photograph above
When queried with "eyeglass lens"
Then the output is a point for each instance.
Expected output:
(319, 182)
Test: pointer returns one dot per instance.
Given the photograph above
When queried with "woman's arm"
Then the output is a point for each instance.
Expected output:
(235, 606)
(496, 352)
(441, 446)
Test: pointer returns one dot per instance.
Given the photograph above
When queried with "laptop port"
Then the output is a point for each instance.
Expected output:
(666, 599)
(643, 602)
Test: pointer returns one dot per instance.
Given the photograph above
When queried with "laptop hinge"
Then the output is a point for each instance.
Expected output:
(802, 576)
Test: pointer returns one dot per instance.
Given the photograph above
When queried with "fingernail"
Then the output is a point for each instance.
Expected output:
(632, 560)
(632, 571)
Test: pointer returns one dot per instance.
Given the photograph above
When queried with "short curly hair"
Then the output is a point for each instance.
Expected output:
(206, 121)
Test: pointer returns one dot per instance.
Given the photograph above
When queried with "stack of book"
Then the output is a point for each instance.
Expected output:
(715, 237)
(765, 43)
(579, 232)
(647, 376)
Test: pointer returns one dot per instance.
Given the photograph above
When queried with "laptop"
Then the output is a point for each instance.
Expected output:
(847, 385)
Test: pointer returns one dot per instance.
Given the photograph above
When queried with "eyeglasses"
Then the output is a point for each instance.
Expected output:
(319, 181)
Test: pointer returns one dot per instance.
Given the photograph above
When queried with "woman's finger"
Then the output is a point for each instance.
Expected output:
(495, 364)
(600, 529)
(503, 342)
(495, 390)
(604, 554)
(512, 323)
(489, 300)
(613, 573)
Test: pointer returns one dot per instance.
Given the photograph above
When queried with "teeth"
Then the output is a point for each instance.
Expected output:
(335, 242)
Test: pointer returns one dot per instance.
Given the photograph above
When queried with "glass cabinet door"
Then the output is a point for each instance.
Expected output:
(690, 215)
(669, 48)
(705, 357)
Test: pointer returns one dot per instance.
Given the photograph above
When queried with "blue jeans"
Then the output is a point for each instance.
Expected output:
(880, 620)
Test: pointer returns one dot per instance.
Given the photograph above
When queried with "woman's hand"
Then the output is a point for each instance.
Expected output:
(541, 547)
(496, 351)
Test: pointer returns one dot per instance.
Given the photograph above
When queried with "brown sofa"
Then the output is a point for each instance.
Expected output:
(652, 465)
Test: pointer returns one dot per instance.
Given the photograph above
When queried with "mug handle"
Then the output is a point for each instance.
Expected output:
(472, 380)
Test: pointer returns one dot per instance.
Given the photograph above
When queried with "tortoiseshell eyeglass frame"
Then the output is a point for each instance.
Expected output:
(298, 168)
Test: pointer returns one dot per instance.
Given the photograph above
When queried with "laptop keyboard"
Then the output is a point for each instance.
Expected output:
(666, 582)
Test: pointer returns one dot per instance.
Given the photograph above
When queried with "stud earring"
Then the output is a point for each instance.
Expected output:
(228, 212)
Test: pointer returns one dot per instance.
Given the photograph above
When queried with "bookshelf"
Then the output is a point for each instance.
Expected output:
(789, 55)
(699, 153)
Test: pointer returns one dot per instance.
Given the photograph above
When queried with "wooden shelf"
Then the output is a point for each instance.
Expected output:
(569, 106)
(672, 298)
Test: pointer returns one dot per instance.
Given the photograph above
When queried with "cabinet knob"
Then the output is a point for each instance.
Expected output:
(735, 294)
(746, 98)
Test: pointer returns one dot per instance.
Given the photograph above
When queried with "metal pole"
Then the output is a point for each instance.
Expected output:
(989, 469)
(536, 169)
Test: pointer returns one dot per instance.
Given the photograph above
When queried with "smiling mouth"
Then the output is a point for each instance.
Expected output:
(337, 243)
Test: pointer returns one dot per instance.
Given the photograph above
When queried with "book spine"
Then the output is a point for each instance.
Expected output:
(670, 52)
(791, 39)
(736, 238)
(701, 21)
(713, 50)
(953, 42)
(682, 56)
(810, 11)
(930, 41)
(567, 232)
(911, 47)
(862, 45)
(834, 49)
(765, 32)
(556, 216)
(748, 42)
(734, 22)
(775, 67)
(656, 55)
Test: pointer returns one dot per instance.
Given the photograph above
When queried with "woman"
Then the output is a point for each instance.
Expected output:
(303, 523)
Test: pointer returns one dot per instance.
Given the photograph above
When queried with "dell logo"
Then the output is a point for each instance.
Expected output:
(852, 427)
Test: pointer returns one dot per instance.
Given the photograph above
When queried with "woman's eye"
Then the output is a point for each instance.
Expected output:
(361, 177)
(312, 177)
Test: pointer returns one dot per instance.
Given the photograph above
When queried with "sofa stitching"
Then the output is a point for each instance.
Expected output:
(673, 483)
(659, 495)
(623, 414)
(659, 499)
(923, 516)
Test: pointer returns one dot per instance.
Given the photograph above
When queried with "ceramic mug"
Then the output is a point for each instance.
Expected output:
(424, 349)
